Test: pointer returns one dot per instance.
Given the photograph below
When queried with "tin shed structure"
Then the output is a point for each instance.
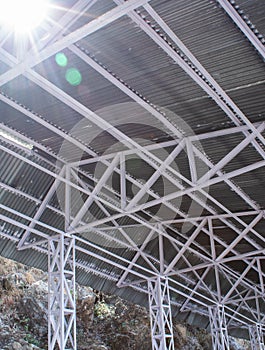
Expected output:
(132, 152)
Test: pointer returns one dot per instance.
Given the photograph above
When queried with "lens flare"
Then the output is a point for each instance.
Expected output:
(73, 76)
(61, 59)
(22, 16)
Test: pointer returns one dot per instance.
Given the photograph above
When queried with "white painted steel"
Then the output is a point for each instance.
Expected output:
(220, 339)
(242, 25)
(226, 306)
(256, 335)
(160, 314)
(61, 296)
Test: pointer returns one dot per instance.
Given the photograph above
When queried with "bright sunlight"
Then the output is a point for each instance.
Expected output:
(22, 16)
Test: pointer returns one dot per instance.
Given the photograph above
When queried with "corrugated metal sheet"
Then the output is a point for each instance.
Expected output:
(126, 51)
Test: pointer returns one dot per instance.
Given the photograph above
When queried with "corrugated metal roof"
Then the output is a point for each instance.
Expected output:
(46, 109)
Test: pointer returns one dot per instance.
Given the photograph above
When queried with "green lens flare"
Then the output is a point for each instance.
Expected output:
(73, 76)
(61, 59)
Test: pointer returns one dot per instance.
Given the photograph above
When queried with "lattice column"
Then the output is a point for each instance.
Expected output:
(219, 328)
(160, 314)
(256, 337)
(62, 309)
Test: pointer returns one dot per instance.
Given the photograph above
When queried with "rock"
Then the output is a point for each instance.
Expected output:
(99, 347)
(85, 306)
(104, 322)
(7, 284)
(84, 293)
(33, 315)
(16, 346)
(23, 342)
(18, 279)
(40, 288)
(182, 330)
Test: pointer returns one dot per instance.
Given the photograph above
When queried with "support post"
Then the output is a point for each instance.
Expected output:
(61, 297)
(256, 337)
(160, 314)
(218, 325)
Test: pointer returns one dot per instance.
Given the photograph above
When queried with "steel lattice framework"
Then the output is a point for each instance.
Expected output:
(160, 314)
(90, 211)
(256, 337)
(62, 308)
(219, 328)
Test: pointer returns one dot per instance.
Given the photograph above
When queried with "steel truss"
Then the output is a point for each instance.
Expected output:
(160, 314)
(61, 297)
(218, 325)
(256, 336)
(186, 247)
(231, 303)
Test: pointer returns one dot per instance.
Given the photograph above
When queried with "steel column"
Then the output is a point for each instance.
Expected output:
(61, 296)
(256, 337)
(218, 325)
(160, 314)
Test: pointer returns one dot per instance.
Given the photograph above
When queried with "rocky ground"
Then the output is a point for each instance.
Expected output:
(104, 322)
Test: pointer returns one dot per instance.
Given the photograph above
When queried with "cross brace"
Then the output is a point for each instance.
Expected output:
(218, 325)
(61, 296)
(256, 337)
(160, 314)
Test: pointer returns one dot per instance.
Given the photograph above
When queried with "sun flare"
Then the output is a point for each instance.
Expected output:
(22, 16)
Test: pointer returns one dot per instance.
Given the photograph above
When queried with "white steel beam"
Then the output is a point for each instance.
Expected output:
(234, 174)
(213, 217)
(123, 180)
(218, 325)
(229, 182)
(108, 261)
(91, 27)
(102, 181)
(29, 219)
(87, 114)
(239, 257)
(136, 257)
(126, 89)
(239, 306)
(155, 176)
(256, 336)
(240, 237)
(57, 29)
(186, 294)
(160, 314)
(12, 61)
(185, 246)
(192, 161)
(128, 243)
(100, 249)
(197, 73)
(41, 208)
(61, 296)
(243, 26)
(207, 183)
(213, 89)
(261, 277)
(64, 180)
(243, 296)
(239, 280)
(232, 154)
